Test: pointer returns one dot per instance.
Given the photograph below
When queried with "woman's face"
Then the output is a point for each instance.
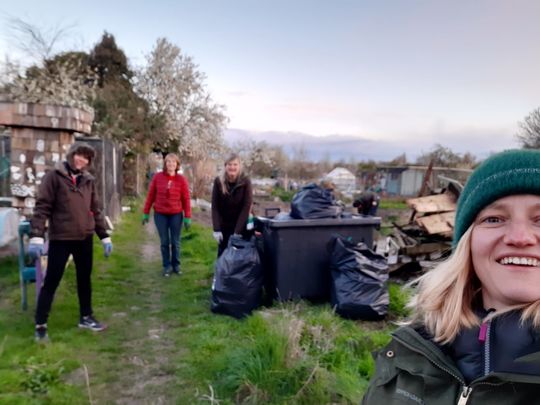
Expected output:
(505, 251)
(171, 165)
(80, 161)
(232, 169)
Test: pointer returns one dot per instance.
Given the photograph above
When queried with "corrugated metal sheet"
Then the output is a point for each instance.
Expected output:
(411, 182)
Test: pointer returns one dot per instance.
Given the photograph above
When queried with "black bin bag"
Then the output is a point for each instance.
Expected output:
(238, 279)
(313, 202)
(359, 287)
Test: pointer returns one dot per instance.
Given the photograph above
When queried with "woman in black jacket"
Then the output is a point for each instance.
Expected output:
(232, 197)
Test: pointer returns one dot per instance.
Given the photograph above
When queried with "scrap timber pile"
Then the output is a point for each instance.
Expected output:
(427, 236)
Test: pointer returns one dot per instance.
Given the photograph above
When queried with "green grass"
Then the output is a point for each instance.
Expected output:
(164, 344)
(284, 195)
(393, 203)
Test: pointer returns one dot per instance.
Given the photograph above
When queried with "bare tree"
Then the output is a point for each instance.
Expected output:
(529, 133)
(281, 160)
(37, 43)
(53, 78)
(445, 157)
(325, 163)
(400, 160)
(202, 173)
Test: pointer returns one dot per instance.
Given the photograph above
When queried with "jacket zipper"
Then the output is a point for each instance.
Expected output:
(464, 397)
(484, 336)
(487, 353)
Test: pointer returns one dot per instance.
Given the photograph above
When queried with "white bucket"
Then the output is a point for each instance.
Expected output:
(9, 225)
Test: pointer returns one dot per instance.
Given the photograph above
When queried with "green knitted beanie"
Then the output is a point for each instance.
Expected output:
(507, 173)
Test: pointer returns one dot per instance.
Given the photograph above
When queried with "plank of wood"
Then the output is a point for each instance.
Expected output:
(433, 203)
(437, 223)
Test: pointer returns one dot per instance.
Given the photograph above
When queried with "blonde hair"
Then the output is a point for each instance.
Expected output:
(445, 296)
(223, 179)
(172, 156)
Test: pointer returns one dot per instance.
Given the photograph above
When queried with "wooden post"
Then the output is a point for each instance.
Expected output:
(424, 186)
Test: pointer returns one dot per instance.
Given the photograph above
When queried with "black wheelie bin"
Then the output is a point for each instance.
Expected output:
(295, 256)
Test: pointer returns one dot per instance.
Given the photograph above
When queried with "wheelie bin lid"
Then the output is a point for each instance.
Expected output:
(355, 220)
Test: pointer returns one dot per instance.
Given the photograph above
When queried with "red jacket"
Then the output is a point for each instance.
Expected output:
(169, 195)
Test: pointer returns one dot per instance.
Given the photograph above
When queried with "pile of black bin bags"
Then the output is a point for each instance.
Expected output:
(238, 279)
(314, 202)
(358, 276)
(359, 281)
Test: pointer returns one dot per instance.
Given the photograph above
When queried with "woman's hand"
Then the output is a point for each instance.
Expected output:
(145, 219)
(107, 246)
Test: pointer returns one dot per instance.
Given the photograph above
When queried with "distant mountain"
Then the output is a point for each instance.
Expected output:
(347, 147)
(332, 147)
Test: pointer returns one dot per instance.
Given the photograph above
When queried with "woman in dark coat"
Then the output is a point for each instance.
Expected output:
(68, 202)
(474, 335)
(232, 197)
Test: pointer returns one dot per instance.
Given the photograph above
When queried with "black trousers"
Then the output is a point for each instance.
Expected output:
(59, 251)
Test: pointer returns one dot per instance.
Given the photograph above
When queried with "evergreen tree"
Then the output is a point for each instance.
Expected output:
(119, 112)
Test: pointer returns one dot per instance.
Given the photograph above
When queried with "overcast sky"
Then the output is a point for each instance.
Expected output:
(460, 73)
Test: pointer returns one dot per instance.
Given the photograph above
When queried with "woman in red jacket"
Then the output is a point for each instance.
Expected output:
(169, 194)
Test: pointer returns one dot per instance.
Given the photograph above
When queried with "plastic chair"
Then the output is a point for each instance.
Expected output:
(28, 273)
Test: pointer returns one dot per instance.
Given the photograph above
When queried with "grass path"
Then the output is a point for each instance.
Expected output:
(145, 355)
(137, 359)
(151, 364)
(164, 346)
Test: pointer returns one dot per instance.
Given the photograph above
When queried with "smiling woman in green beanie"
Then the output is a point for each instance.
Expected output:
(474, 335)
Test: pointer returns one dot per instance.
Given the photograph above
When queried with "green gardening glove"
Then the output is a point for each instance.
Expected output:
(187, 223)
(145, 219)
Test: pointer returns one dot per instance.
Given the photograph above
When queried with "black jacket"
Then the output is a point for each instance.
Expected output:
(230, 210)
(503, 340)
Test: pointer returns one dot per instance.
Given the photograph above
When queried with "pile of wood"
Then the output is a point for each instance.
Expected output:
(428, 235)
(435, 214)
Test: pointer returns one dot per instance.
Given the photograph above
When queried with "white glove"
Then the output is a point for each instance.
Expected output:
(218, 236)
(107, 246)
(35, 247)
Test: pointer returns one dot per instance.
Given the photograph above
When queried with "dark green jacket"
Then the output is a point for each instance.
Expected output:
(413, 370)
